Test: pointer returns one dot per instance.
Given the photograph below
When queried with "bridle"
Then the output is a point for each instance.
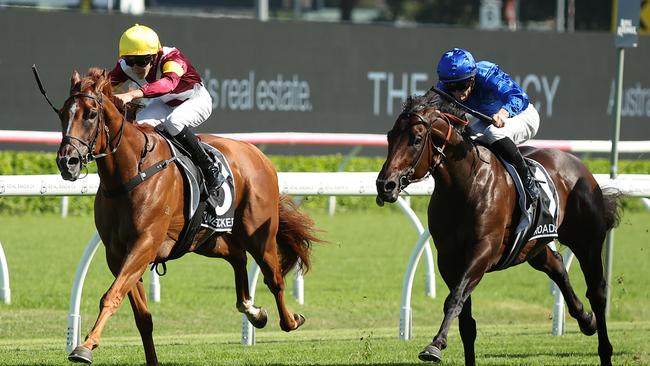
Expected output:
(451, 120)
(100, 121)
(67, 139)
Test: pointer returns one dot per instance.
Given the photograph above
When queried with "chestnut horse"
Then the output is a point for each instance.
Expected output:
(141, 226)
(473, 211)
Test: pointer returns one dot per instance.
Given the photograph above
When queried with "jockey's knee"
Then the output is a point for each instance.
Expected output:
(173, 127)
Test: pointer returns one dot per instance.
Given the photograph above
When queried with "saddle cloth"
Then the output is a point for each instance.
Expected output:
(536, 222)
(222, 219)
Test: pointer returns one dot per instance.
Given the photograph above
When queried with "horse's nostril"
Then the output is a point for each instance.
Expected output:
(390, 186)
(73, 161)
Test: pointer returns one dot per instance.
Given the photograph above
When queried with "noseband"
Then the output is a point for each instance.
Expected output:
(90, 147)
(450, 119)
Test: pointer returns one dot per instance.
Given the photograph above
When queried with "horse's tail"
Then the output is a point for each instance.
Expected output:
(296, 232)
(612, 207)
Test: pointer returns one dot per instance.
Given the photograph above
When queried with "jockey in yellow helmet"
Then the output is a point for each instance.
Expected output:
(178, 99)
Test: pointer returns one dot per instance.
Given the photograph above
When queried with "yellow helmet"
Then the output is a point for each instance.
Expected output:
(139, 40)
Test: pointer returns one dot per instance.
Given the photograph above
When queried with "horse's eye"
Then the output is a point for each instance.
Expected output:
(90, 114)
(417, 140)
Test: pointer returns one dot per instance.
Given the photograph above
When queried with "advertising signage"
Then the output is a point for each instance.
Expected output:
(322, 77)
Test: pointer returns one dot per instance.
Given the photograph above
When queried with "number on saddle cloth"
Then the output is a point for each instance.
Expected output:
(222, 218)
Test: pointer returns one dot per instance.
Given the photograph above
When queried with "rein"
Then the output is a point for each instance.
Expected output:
(67, 139)
(90, 147)
(451, 120)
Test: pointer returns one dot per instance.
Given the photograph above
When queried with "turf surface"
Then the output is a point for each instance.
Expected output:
(352, 303)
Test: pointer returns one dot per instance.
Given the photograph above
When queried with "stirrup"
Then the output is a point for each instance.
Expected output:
(532, 191)
(215, 194)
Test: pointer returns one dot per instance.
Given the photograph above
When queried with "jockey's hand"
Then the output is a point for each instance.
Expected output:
(129, 96)
(499, 118)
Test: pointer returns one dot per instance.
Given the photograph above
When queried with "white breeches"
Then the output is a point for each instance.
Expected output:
(519, 128)
(191, 113)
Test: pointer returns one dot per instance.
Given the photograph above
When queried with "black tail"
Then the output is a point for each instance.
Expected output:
(612, 206)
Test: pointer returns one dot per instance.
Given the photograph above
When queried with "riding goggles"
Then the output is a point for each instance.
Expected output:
(459, 85)
(138, 60)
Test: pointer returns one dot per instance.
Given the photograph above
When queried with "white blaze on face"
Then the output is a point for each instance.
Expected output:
(73, 111)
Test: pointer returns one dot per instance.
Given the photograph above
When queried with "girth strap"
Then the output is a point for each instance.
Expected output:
(139, 178)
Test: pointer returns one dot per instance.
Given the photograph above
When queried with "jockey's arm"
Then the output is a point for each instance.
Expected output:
(499, 118)
(515, 100)
(171, 76)
(130, 95)
(118, 82)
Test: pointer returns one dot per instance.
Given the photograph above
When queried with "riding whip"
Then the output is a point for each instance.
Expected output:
(469, 110)
(40, 86)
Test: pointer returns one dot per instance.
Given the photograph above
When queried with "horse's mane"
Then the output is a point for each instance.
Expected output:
(97, 79)
(431, 99)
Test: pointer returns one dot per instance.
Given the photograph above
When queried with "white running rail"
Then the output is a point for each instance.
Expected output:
(338, 184)
(362, 139)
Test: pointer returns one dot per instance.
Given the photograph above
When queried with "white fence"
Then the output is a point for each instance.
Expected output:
(338, 184)
(306, 138)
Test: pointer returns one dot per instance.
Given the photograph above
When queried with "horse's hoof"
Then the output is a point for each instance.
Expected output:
(81, 354)
(589, 329)
(430, 353)
(300, 320)
(260, 321)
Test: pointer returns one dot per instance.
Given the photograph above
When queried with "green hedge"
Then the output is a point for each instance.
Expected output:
(13, 163)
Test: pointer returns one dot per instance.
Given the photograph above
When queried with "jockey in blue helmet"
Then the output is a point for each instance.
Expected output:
(482, 86)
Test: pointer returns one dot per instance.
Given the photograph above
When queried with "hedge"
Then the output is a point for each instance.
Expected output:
(15, 163)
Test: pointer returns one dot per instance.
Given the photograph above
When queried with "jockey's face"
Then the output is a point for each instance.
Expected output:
(142, 71)
(461, 90)
(462, 95)
(141, 65)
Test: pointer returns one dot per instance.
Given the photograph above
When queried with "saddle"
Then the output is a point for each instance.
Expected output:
(537, 222)
(222, 219)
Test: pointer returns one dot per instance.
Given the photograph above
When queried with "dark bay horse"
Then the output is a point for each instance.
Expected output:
(473, 211)
(142, 225)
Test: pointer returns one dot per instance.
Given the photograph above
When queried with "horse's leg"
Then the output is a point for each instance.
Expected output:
(138, 300)
(258, 230)
(592, 267)
(143, 321)
(460, 290)
(130, 272)
(237, 259)
(585, 210)
(550, 262)
(467, 327)
(226, 247)
(272, 270)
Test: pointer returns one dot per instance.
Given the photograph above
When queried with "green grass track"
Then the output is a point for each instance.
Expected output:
(352, 300)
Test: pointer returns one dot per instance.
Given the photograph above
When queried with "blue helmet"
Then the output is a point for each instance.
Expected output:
(456, 65)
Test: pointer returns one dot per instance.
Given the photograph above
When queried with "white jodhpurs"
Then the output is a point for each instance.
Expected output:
(519, 128)
(191, 113)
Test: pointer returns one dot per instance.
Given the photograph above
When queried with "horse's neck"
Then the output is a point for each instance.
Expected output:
(121, 165)
(462, 168)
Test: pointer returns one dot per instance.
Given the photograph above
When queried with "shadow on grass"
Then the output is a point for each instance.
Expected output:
(591, 355)
(419, 363)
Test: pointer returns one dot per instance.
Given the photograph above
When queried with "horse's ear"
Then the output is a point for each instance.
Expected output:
(106, 86)
(75, 82)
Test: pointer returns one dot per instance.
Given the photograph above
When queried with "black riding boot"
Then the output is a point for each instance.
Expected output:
(507, 149)
(213, 179)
